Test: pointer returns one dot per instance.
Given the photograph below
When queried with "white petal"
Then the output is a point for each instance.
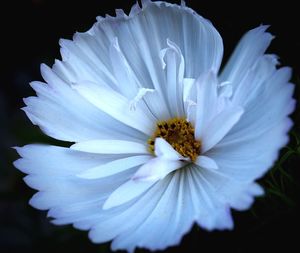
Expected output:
(206, 102)
(189, 99)
(126, 80)
(245, 196)
(237, 194)
(248, 160)
(151, 99)
(114, 167)
(201, 209)
(252, 145)
(189, 89)
(253, 83)
(63, 114)
(180, 220)
(71, 189)
(211, 213)
(141, 40)
(165, 150)
(100, 65)
(219, 126)
(142, 92)
(173, 64)
(250, 48)
(151, 30)
(206, 162)
(82, 60)
(141, 36)
(126, 192)
(116, 106)
(69, 213)
(60, 161)
(52, 171)
(156, 169)
(153, 233)
(225, 90)
(111, 147)
(110, 222)
(87, 58)
(269, 104)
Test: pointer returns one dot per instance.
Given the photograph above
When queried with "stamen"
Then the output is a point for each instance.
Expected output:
(179, 133)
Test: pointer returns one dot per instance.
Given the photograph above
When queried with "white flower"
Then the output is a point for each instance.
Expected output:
(163, 139)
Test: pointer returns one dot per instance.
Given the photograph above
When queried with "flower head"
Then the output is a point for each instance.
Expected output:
(160, 137)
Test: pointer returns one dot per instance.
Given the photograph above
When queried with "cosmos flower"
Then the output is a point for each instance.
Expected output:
(160, 138)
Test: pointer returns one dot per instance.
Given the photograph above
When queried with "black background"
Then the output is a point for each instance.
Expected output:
(30, 31)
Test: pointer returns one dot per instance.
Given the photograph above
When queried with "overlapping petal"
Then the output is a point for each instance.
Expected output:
(106, 95)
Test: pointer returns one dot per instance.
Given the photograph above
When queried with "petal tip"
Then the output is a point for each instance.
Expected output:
(85, 175)
(108, 204)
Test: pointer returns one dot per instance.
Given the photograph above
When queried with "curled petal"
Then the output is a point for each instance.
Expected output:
(156, 169)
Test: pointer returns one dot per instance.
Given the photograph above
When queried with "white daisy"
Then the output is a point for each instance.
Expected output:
(163, 139)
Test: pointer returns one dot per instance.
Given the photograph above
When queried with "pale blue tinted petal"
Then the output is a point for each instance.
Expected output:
(111, 147)
(206, 163)
(110, 221)
(161, 228)
(236, 194)
(254, 142)
(250, 48)
(219, 126)
(117, 106)
(114, 167)
(173, 65)
(52, 170)
(164, 149)
(156, 169)
(249, 160)
(63, 114)
(209, 212)
(206, 107)
(126, 192)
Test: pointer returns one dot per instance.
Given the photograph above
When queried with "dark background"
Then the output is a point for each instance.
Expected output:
(30, 31)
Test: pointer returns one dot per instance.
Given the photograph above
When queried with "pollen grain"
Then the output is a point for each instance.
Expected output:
(179, 133)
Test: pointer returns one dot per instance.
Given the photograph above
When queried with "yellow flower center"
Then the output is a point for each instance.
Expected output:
(179, 134)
